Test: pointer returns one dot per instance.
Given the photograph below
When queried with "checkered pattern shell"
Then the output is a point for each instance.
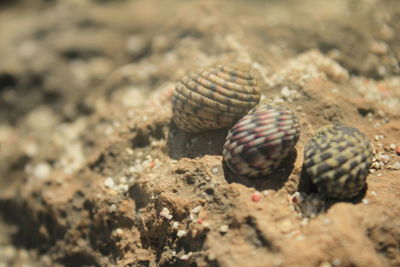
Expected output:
(257, 143)
(337, 159)
(214, 98)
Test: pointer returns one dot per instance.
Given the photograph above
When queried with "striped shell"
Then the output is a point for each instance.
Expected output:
(257, 143)
(337, 160)
(214, 98)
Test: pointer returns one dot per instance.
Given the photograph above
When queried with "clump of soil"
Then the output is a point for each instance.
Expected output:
(93, 172)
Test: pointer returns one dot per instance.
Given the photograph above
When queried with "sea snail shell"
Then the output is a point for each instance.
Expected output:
(214, 98)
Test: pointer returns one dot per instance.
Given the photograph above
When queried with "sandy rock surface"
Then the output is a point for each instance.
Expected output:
(93, 172)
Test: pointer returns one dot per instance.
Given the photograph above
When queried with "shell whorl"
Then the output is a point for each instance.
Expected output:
(337, 159)
(257, 143)
(214, 98)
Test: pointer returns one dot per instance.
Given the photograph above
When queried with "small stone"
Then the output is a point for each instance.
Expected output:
(123, 188)
(123, 180)
(383, 158)
(181, 233)
(175, 225)
(196, 210)
(265, 192)
(304, 222)
(211, 256)
(119, 232)
(375, 165)
(285, 226)
(285, 92)
(109, 183)
(256, 196)
(166, 214)
(185, 257)
(365, 201)
(192, 217)
(224, 229)
(393, 147)
(41, 170)
(113, 208)
(396, 165)
(379, 48)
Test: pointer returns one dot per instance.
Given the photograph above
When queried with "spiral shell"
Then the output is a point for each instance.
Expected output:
(214, 98)
(259, 141)
(337, 160)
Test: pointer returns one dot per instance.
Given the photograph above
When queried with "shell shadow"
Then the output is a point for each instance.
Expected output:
(181, 144)
(274, 180)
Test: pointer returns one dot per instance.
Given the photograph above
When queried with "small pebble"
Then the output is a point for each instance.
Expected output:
(384, 158)
(224, 229)
(285, 92)
(379, 47)
(41, 170)
(175, 225)
(381, 165)
(186, 256)
(396, 165)
(196, 210)
(166, 213)
(304, 222)
(365, 201)
(119, 232)
(109, 183)
(113, 208)
(375, 165)
(181, 233)
(129, 151)
(256, 196)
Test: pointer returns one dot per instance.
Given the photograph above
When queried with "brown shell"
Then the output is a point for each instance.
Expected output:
(258, 142)
(214, 98)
